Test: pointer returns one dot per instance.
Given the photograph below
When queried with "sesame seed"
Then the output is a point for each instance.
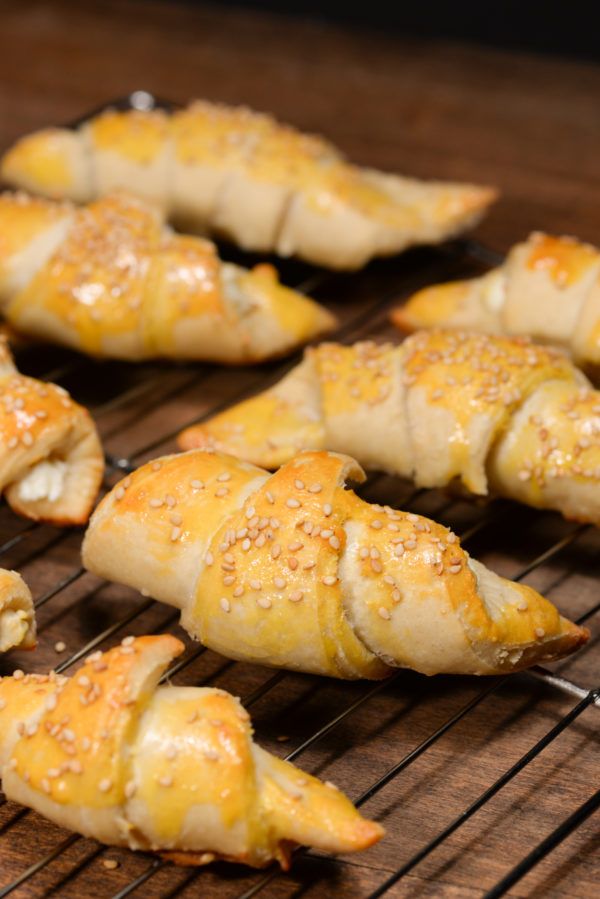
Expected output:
(156, 503)
(396, 596)
(308, 566)
(110, 864)
(377, 524)
(170, 500)
(119, 493)
(292, 503)
(275, 551)
(327, 509)
(299, 485)
(105, 785)
(18, 674)
(224, 476)
(222, 491)
(295, 546)
(196, 484)
(334, 542)
(209, 558)
(296, 596)
(129, 789)
(269, 497)
(454, 569)
(175, 534)
(412, 517)
(250, 512)
(327, 532)
(315, 488)
(292, 563)
(228, 580)
(45, 784)
(27, 438)
(376, 565)
(238, 591)
(280, 583)
(329, 580)
(224, 603)
(156, 466)
(166, 780)
(539, 632)
(383, 613)
(264, 602)
(255, 584)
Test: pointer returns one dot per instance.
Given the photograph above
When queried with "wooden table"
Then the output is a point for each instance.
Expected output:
(531, 127)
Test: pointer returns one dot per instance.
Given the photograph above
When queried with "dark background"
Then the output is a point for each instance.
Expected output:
(557, 26)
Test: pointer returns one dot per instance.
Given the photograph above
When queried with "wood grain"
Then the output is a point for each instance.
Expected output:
(528, 125)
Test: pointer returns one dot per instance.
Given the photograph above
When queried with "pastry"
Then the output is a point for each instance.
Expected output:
(110, 280)
(51, 461)
(548, 289)
(114, 756)
(292, 570)
(17, 620)
(499, 415)
(241, 175)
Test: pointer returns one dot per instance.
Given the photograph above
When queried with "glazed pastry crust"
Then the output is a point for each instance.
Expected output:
(17, 618)
(294, 570)
(111, 280)
(500, 415)
(548, 289)
(114, 756)
(51, 460)
(242, 175)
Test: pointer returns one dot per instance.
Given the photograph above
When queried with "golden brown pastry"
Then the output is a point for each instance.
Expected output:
(548, 289)
(111, 280)
(293, 570)
(240, 174)
(114, 756)
(51, 461)
(500, 415)
(17, 619)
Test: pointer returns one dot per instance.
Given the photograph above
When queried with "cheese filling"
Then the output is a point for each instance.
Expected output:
(46, 480)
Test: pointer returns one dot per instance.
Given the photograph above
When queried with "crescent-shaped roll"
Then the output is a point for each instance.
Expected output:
(111, 280)
(112, 755)
(17, 618)
(51, 460)
(548, 289)
(241, 174)
(500, 415)
(295, 571)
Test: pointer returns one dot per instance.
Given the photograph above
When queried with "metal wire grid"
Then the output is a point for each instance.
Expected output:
(586, 698)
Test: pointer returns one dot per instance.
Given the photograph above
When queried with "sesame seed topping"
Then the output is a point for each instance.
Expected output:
(269, 497)
(384, 613)
(222, 491)
(327, 509)
(264, 602)
(255, 584)
(540, 632)
(280, 583)
(296, 596)
(298, 484)
(377, 524)
(228, 580)
(224, 603)
(238, 591)
(119, 493)
(292, 503)
(275, 551)
(334, 542)
(166, 780)
(156, 503)
(175, 534)
(329, 580)
(224, 476)
(18, 674)
(376, 566)
(209, 558)
(105, 785)
(315, 488)
(196, 484)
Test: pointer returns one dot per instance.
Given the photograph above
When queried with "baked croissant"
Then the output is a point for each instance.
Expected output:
(548, 288)
(17, 619)
(51, 460)
(240, 174)
(110, 754)
(110, 280)
(292, 570)
(499, 415)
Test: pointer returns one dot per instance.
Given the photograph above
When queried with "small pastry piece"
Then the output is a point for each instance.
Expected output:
(548, 289)
(114, 756)
(501, 415)
(17, 619)
(51, 461)
(292, 570)
(240, 174)
(111, 280)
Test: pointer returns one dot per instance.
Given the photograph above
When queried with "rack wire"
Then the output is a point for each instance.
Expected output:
(145, 396)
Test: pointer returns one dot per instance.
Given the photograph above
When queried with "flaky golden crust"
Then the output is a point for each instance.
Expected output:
(110, 280)
(51, 460)
(548, 289)
(263, 185)
(294, 570)
(110, 754)
(500, 414)
(17, 617)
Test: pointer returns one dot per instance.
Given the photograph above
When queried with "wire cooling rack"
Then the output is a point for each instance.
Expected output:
(485, 787)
